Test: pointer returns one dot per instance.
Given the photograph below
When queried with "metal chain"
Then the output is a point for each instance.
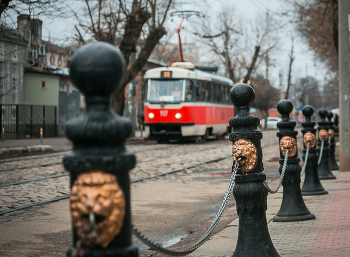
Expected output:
(306, 157)
(284, 167)
(321, 151)
(206, 235)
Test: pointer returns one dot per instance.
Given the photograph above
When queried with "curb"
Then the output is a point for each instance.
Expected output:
(26, 149)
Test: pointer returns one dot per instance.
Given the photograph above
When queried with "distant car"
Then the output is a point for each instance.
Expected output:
(271, 122)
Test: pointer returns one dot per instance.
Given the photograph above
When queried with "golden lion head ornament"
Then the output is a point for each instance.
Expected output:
(291, 144)
(331, 133)
(97, 207)
(322, 135)
(309, 137)
(245, 150)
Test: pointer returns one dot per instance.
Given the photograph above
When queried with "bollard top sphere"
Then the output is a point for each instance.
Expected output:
(323, 113)
(285, 107)
(308, 110)
(330, 115)
(242, 95)
(97, 69)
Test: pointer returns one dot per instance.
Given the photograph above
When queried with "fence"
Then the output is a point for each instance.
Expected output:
(23, 121)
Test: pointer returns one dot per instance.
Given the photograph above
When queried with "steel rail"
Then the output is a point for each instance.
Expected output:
(56, 163)
(66, 174)
(132, 181)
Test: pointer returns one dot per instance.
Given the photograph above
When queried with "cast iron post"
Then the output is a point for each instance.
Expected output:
(324, 172)
(312, 184)
(293, 207)
(336, 123)
(249, 190)
(99, 164)
(333, 165)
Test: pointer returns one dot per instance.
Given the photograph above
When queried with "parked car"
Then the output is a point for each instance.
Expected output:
(271, 122)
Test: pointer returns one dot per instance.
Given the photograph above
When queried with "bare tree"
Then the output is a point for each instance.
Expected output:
(307, 91)
(266, 96)
(125, 23)
(165, 51)
(317, 22)
(264, 34)
(214, 35)
(291, 59)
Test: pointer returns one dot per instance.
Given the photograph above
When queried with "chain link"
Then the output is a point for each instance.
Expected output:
(306, 157)
(321, 152)
(284, 167)
(206, 235)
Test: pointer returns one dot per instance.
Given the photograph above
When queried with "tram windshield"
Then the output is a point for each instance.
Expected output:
(165, 90)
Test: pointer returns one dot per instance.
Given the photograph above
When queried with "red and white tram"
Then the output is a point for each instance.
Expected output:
(186, 103)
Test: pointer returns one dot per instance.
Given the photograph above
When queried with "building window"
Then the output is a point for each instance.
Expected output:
(43, 84)
(15, 75)
(15, 53)
(14, 98)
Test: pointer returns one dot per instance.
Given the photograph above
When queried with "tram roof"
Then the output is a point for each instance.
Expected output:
(182, 73)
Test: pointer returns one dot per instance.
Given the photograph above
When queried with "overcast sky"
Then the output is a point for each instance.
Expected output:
(304, 59)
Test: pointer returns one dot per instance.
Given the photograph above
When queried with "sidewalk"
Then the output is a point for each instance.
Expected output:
(51, 143)
(326, 236)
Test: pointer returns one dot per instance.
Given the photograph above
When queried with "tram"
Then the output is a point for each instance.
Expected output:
(181, 102)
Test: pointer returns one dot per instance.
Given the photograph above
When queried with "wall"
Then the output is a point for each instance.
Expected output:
(12, 51)
(32, 94)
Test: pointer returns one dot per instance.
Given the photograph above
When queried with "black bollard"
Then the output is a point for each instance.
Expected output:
(249, 190)
(312, 184)
(333, 165)
(324, 172)
(293, 207)
(99, 164)
(336, 123)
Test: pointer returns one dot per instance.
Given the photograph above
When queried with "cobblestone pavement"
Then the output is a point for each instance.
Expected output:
(326, 236)
(151, 160)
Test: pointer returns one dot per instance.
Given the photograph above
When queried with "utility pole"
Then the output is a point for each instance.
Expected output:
(226, 51)
(344, 84)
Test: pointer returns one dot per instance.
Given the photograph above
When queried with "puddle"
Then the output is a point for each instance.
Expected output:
(164, 242)
(271, 159)
(215, 172)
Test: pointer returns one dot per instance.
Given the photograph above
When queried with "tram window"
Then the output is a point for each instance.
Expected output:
(222, 94)
(189, 90)
(213, 92)
(208, 92)
(200, 86)
(218, 93)
(164, 90)
(227, 94)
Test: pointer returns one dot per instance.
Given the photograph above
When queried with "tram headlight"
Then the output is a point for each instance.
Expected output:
(178, 116)
(151, 115)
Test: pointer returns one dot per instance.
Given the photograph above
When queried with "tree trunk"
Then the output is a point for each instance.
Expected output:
(266, 114)
(334, 4)
(252, 65)
(290, 70)
(231, 73)
(133, 29)
(151, 41)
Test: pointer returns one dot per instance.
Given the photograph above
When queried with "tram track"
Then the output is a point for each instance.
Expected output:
(132, 181)
(146, 160)
(66, 174)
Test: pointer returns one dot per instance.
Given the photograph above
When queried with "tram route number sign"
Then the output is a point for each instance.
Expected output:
(166, 74)
(163, 113)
